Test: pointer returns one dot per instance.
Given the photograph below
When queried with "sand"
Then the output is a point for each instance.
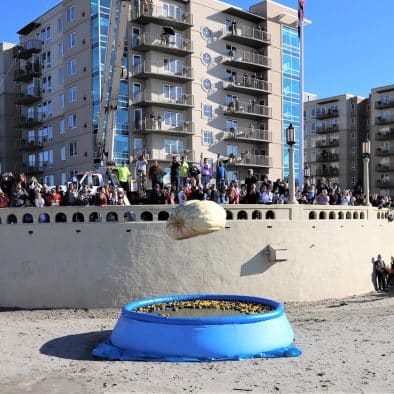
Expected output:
(347, 347)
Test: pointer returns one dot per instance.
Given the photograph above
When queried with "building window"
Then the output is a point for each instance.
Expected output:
(206, 84)
(60, 76)
(232, 150)
(72, 67)
(73, 149)
(206, 58)
(63, 153)
(48, 33)
(71, 40)
(353, 165)
(70, 14)
(61, 101)
(60, 24)
(353, 180)
(61, 126)
(72, 121)
(174, 146)
(206, 32)
(72, 94)
(207, 137)
(173, 119)
(207, 111)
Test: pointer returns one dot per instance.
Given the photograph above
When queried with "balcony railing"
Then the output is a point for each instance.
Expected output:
(249, 110)
(147, 70)
(27, 49)
(148, 98)
(384, 151)
(248, 85)
(32, 143)
(247, 60)
(27, 71)
(385, 135)
(163, 42)
(249, 160)
(37, 167)
(384, 183)
(327, 157)
(163, 155)
(326, 144)
(384, 119)
(331, 113)
(384, 167)
(149, 125)
(327, 129)
(332, 171)
(247, 134)
(24, 122)
(179, 19)
(28, 95)
(247, 35)
(383, 105)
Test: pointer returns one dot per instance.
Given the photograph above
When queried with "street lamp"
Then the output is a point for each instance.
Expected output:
(290, 139)
(366, 151)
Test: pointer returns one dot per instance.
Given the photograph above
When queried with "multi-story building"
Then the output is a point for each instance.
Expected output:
(202, 79)
(334, 130)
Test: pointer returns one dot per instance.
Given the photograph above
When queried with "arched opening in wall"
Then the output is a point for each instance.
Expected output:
(348, 215)
(355, 215)
(94, 217)
(341, 215)
(331, 215)
(229, 215)
(362, 215)
(112, 217)
(78, 217)
(163, 215)
(44, 218)
(130, 217)
(60, 218)
(27, 218)
(312, 215)
(270, 215)
(322, 215)
(378, 215)
(242, 215)
(386, 215)
(256, 215)
(11, 219)
(147, 216)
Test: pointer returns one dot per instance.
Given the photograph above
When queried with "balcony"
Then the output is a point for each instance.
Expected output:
(247, 35)
(148, 70)
(324, 130)
(383, 105)
(27, 72)
(32, 144)
(180, 20)
(384, 167)
(247, 135)
(327, 144)
(384, 184)
(247, 60)
(384, 120)
(248, 85)
(248, 110)
(332, 171)
(331, 113)
(249, 160)
(154, 126)
(23, 122)
(27, 49)
(144, 99)
(383, 151)
(385, 135)
(28, 95)
(327, 157)
(164, 43)
(34, 169)
(158, 154)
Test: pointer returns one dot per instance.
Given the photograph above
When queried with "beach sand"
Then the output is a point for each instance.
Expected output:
(347, 346)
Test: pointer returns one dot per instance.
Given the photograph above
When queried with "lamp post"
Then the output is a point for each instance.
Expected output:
(290, 139)
(366, 151)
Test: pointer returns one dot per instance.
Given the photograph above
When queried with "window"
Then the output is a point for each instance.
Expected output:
(71, 40)
(206, 84)
(59, 24)
(206, 32)
(50, 133)
(174, 119)
(70, 14)
(72, 67)
(206, 58)
(63, 153)
(48, 33)
(73, 149)
(231, 125)
(61, 126)
(173, 65)
(60, 76)
(72, 94)
(32, 160)
(207, 111)
(49, 83)
(353, 165)
(172, 11)
(232, 150)
(174, 146)
(63, 178)
(208, 138)
(72, 121)
(173, 92)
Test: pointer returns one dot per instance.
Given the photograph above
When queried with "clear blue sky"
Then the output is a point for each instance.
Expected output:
(348, 47)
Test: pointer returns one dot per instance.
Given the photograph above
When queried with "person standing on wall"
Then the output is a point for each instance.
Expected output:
(206, 170)
(124, 173)
(380, 268)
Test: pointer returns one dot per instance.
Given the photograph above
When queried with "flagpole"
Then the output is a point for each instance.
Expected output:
(301, 122)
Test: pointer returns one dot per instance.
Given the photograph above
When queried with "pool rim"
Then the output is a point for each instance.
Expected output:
(129, 313)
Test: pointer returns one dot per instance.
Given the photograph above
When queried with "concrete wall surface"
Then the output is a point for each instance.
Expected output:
(107, 264)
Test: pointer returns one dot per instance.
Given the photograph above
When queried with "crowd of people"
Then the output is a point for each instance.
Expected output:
(383, 275)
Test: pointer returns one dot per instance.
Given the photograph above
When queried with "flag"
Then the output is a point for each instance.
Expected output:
(300, 15)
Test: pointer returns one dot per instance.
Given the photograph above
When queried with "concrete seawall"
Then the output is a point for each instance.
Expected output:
(289, 253)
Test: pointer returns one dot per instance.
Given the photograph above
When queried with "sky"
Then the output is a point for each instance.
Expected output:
(348, 48)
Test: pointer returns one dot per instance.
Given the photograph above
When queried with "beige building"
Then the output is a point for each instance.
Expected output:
(334, 130)
(202, 79)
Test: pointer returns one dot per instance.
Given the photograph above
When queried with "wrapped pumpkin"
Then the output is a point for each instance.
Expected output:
(195, 218)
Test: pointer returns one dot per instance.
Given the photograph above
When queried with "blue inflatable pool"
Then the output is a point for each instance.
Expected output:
(147, 336)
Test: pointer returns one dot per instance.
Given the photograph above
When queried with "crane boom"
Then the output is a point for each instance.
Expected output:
(111, 80)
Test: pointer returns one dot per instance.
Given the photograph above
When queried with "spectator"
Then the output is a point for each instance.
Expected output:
(157, 196)
(101, 197)
(380, 269)
(323, 198)
(183, 172)
(39, 200)
(169, 196)
(220, 174)
(250, 180)
(194, 172)
(156, 175)
(206, 171)
(4, 199)
(174, 172)
(124, 173)
(253, 196)
(20, 197)
(71, 195)
(54, 198)
(266, 195)
(85, 197)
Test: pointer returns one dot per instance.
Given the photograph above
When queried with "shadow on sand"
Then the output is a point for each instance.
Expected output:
(75, 347)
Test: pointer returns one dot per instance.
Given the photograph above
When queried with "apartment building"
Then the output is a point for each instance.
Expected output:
(334, 130)
(203, 78)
